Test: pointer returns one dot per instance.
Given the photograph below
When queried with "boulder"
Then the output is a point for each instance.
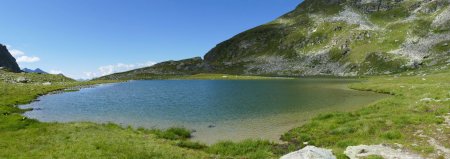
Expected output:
(310, 152)
(22, 80)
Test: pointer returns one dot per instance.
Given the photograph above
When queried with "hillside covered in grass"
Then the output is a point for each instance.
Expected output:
(328, 37)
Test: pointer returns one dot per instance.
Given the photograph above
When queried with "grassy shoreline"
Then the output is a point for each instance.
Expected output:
(21, 137)
(419, 104)
(374, 124)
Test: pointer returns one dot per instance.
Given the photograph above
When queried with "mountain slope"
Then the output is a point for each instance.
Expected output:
(337, 37)
(163, 70)
(340, 38)
(7, 60)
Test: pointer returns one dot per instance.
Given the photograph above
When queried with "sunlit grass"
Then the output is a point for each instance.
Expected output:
(389, 121)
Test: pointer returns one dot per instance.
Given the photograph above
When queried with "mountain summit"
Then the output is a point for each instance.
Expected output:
(37, 70)
(335, 37)
(7, 60)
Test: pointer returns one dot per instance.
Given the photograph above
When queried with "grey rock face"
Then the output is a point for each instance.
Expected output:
(7, 60)
(352, 17)
(417, 49)
(317, 64)
(369, 6)
(442, 20)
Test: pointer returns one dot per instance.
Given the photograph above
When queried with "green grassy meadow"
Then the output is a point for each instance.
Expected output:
(420, 100)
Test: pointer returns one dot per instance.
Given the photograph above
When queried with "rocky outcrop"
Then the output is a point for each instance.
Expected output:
(442, 21)
(310, 152)
(350, 16)
(364, 151)
(7, 60)
(369, 6)
(354, 152)
(419, 48)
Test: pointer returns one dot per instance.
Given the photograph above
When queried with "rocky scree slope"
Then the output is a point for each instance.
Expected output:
(334, 37)
(7, 60)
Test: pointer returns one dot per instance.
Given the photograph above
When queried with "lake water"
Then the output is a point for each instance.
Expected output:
(217, 110)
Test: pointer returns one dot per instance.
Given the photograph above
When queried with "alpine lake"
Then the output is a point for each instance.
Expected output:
(215, 110)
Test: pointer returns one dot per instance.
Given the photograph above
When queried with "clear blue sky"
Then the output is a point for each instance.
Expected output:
(80, 36)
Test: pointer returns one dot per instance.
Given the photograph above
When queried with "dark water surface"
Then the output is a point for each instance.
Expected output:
(237, 109)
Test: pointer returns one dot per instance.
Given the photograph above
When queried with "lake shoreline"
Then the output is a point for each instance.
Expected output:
(281, 119)
(384, 84)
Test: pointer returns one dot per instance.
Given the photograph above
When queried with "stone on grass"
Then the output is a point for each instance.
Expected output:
(22, 80)
(310, 152)
(364, 151)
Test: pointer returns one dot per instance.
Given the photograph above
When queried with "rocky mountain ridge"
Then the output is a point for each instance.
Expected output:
(37, 70)
(7, 61)
(335, 37)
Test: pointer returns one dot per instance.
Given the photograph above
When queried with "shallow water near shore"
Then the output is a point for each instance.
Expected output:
(215, 109)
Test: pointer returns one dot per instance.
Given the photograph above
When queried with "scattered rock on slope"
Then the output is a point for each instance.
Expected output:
(22, 80)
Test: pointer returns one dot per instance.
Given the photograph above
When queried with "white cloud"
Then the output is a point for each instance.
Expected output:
(55, 72)
(147, 64)
(119, 67)
(21, 57)
(109, 69)
(90, 75)
(16, 53)
(27, 59)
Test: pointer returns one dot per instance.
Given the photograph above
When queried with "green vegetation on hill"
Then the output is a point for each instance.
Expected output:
(200, 76)
(317, 30)
(327, 37)
(163, 70)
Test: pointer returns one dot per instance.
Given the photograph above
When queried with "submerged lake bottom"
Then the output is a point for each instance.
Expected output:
(216, 109)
